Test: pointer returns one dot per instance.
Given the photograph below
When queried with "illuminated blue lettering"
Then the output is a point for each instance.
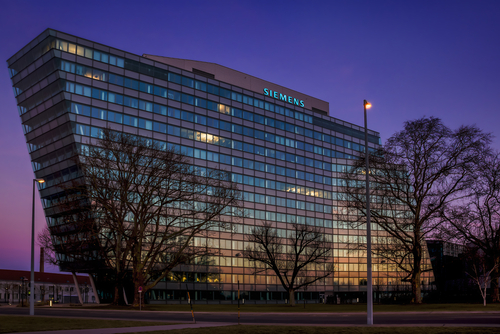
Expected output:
(283, 97)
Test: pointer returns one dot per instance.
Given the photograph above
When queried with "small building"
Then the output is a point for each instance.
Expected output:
(450, 269)
(60, 288)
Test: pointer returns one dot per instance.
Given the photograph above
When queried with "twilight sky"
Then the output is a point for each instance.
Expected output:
(409, 58)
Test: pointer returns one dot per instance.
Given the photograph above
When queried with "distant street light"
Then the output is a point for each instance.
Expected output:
(32, 284)
(369, 287)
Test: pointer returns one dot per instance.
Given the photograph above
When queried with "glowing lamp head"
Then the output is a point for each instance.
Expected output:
(368, 105)
(40, 180)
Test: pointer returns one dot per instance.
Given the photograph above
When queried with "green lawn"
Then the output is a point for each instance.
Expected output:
(325, 330)
(313, 308)
(12, 323)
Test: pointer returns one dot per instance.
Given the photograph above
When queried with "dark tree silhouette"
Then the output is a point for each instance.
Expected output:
(143, 204)
(418, 172)
(298, 259)
(476, 221)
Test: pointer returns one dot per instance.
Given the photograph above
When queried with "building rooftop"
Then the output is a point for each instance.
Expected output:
(52, 278)
(240, 79)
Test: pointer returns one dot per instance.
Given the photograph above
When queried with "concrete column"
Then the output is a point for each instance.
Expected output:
(125, 296)
(96, 295)
(77, 288)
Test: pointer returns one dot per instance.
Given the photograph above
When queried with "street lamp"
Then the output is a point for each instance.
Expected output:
(32, 293)
(369, 287)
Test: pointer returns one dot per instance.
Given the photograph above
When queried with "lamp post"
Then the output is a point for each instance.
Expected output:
(32, 284)
(369, 287)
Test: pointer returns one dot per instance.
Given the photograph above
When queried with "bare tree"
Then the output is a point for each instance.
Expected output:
(5, 289)
(481, 269)
(45, 241)
(143, 204)
(74, 249)
(418, 172)
(42, 289)
(476, 221)
(289, 257)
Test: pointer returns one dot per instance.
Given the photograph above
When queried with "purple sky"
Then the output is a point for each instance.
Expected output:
(409, 58)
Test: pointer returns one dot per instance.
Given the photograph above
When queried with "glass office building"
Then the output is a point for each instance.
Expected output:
(281, 146)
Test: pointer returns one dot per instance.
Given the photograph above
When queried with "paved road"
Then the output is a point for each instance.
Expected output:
(406, 318)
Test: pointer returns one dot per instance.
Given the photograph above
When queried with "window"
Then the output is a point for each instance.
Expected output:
(237, 178)
(260, 214)
(270, 200)
(237, 162)
(260, 198)
(270, 216)
(249, 197)
(248, 164)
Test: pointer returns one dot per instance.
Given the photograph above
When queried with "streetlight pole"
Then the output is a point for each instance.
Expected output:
(32, 284)
(369, 287)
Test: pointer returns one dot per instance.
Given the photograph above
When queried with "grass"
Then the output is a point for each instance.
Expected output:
(12, 323)
(312, 308)
(325, 330)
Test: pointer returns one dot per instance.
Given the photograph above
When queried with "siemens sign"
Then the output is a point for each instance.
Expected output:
(282, 97)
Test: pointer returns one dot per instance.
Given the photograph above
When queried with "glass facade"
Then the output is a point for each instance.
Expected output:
(286, 159)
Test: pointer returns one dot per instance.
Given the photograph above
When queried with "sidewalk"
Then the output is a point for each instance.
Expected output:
(129, 329)
(56, 305)
(200, 325)
(293, 321)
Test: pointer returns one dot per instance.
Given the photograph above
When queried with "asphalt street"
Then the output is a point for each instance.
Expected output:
(394, 318)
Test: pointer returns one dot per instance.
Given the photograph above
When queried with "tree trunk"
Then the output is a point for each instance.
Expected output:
(484, 291)
(117, 298)
(416, 287)
(291, 295)
(139, 283)
(139, 297)
(416, 280)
